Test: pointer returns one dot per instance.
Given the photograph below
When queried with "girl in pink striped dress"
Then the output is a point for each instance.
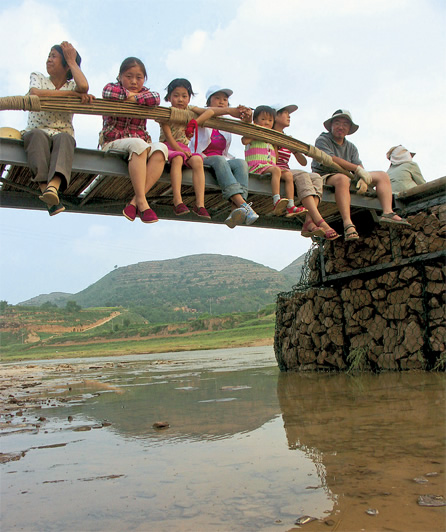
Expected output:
(261, 158)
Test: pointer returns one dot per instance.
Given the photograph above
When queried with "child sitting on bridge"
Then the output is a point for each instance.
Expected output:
(146, 160)
(179, 92)
(261, 157)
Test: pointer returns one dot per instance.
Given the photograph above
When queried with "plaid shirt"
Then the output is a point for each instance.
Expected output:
(115, 127)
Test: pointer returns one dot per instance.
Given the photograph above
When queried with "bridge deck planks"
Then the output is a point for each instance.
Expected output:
(100, 185)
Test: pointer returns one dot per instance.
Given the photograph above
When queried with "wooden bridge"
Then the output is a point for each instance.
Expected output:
(100, 184)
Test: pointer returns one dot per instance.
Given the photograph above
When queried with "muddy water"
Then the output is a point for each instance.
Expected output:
(247, 448)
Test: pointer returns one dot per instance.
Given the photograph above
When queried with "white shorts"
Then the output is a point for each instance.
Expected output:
(133, 145)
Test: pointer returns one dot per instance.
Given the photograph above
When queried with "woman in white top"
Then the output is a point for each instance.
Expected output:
(49, 136)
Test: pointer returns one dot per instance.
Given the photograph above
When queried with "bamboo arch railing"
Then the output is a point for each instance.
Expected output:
(164, 114)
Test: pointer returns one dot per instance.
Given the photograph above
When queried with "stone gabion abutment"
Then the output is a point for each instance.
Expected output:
(388, 315)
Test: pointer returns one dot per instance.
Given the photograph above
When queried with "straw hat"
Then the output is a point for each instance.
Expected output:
(10, 133)
(278, 107)
(342, 113)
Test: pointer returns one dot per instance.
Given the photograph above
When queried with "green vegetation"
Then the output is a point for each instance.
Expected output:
(30, 333)
(195, 302)
(357, 358)
(440, 364)
(180, 289)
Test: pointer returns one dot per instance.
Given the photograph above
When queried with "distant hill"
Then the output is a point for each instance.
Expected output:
(56, 298)
(294, 269)
(171, 290)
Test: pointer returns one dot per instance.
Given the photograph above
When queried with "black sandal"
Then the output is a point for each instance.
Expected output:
(353, 235)
(387, 219)
(50, 197)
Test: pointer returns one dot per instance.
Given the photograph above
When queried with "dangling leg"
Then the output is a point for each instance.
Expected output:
(196, 163)
(176, 177)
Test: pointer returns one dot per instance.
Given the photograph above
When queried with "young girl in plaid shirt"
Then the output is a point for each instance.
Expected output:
(146, 159)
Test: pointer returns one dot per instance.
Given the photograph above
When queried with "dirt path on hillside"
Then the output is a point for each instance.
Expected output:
(100, 322)
(71, 329)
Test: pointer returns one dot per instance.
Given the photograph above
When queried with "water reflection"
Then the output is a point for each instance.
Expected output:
(197, 405)
(248, 448)
(371, 436)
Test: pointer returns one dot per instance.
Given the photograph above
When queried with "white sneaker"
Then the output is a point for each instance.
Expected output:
(237, 217)
(251, 215)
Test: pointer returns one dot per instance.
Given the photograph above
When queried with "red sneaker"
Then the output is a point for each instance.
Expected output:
(130, 212)
(148, 216)
(180, 209)
(201, 212)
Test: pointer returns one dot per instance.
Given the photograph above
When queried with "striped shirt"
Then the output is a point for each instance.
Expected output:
(284, 158)
(260, 155)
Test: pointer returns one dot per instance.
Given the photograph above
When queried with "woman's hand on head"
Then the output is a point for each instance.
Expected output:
(69, 52)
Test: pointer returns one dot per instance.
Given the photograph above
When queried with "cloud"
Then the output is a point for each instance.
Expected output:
(324, 55)
(382, 60)
(22, 26)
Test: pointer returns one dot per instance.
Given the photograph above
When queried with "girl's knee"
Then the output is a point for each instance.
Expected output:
(133, 156)
(156, 156)
(176, 161)
(196, 161)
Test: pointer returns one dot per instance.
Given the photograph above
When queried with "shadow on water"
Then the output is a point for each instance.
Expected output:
(248, 448)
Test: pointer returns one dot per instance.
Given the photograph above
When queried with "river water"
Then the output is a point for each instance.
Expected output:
(247, 448)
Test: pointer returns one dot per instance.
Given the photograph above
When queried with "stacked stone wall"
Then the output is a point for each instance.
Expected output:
(388, 319)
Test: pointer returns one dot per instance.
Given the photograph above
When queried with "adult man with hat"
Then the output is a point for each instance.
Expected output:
(346, 155)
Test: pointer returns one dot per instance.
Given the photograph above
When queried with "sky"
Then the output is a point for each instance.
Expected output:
(384, 60)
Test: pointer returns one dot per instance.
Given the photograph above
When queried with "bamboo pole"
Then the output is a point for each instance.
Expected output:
(165, 115)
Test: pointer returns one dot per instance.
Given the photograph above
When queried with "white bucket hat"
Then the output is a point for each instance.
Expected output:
(398, 150)
(216, 88)
(342, 113)
(278, 107)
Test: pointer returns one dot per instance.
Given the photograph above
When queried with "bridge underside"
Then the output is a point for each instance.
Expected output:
(100, 185)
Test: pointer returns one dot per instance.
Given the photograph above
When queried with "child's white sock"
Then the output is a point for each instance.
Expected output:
(276, 198)
(290, 203)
